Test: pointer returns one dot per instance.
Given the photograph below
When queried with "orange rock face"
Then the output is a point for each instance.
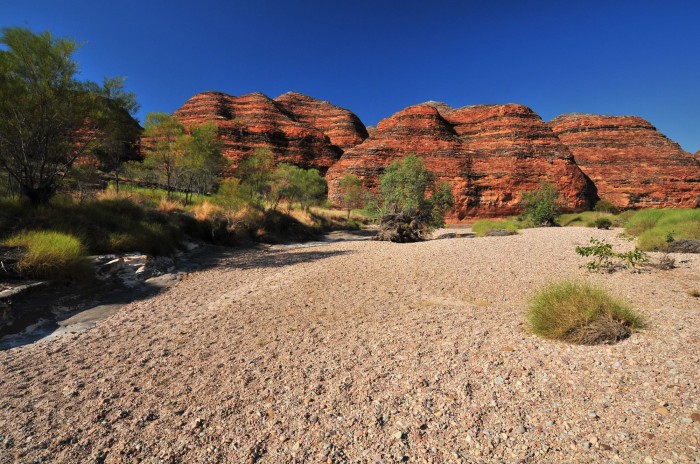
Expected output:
(490, 155)
(343, 128)
(631, 163)
(297, 129)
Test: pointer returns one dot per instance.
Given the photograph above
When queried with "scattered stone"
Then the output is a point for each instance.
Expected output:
(695, 417)
(662, 411)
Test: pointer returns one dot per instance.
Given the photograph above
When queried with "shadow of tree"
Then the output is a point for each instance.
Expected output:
(268, 259)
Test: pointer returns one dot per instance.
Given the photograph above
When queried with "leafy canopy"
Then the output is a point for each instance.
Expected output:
(408, 188)
(48, 118)
(543, 205)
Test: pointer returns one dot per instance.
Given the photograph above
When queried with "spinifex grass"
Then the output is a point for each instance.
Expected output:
(51, 255)
(581, 313)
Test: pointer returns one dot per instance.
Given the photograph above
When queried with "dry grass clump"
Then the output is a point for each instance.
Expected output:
(695, 293)
(207, 211)
(168, 206)
(51, 255)
(581, 313)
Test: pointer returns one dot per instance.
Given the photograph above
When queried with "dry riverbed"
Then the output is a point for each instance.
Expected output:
(363, 351)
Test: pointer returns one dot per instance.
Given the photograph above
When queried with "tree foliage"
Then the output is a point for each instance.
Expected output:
(296, 185)
(255, 175)
(186, 162)
(351, 194)
(48, 119)
(543, 205)
(408, 188)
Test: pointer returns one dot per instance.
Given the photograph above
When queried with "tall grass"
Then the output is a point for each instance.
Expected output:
(101, 226)
(580, 313)
(656, 227)
(50, 255)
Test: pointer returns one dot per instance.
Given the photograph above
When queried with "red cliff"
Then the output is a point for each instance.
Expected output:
(297, 129)
(631, 163)
(490, 155)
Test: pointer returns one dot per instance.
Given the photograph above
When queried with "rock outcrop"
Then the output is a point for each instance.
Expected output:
(343, 128)
(297, 129)
(631, 163)
(490, 155)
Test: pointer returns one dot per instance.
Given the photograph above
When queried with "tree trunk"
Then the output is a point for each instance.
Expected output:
(38, 195)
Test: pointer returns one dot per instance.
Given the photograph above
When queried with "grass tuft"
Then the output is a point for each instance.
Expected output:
(481, 227)
(51, 255)
(580, 313)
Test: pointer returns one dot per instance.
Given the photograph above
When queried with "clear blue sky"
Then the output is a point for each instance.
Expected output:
(375, 58)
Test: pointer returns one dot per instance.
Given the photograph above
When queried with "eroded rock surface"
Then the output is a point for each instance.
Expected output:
(490, 155)
(297, 129)
(632, 164)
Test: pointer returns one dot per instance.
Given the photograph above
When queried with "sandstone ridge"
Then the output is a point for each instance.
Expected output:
(297, 129)
(632, 164)
(490, 155)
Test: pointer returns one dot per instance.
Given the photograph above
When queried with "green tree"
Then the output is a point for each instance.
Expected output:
(284, 185)
(296, 185)
(351, 194)
(48, 118)
(164, 146)
(312, 188)
(202, 162)
(408, 188)
(121, 131)
(413, 205)
(255, 175)
(542, 206)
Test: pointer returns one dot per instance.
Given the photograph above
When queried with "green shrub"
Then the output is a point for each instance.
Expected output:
(602, 223)
(543, 205)
(580, 313)
(51, 255)
(481, 227)
(607, 259)
(604, 206)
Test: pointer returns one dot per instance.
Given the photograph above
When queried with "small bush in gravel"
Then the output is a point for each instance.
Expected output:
(666, 263)
(608, 260)
(542, 206)
(581, 313)
(602, 223)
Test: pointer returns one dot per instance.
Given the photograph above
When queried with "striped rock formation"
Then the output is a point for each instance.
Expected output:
(490, 155)
(631, 163)
(297, 129)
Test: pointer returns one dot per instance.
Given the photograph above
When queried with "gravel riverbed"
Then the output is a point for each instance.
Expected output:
(366, 352)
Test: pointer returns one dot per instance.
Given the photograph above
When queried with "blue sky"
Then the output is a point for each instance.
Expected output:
(375, 58)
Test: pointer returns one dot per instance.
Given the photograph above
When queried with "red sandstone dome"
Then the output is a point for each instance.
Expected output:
(297, 129)
(631, 163)
(490, 155)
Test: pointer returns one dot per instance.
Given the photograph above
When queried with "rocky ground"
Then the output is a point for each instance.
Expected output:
(366, 352)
